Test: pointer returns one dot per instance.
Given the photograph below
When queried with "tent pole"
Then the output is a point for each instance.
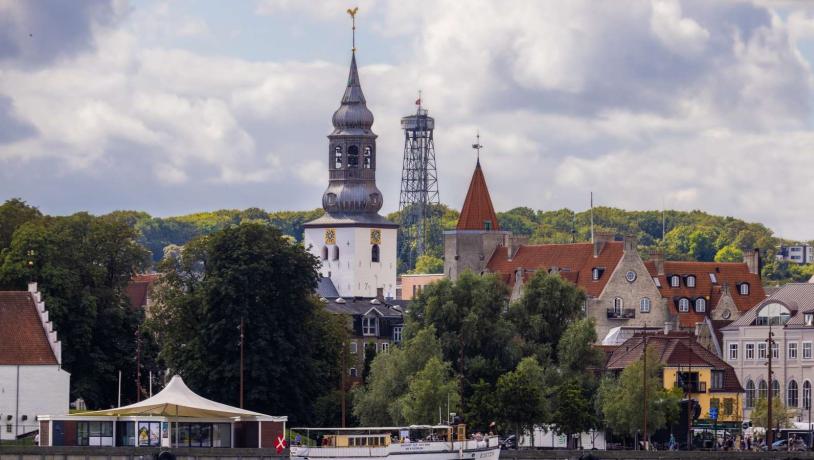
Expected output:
(177, 427)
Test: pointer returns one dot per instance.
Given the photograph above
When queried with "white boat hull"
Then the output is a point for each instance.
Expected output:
(472, 450)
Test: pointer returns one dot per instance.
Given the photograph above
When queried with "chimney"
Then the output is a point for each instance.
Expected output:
(630, 243)
(600, 239)
(658, 260)
(513, 244)
(751, 258)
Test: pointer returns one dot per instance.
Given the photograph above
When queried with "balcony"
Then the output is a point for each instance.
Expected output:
(624, 313)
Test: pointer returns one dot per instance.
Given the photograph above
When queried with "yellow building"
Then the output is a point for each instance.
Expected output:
(699, 373)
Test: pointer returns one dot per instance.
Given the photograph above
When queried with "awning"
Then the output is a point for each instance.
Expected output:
(177, 400)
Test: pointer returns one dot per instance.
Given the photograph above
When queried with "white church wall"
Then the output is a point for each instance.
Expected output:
(43, 390)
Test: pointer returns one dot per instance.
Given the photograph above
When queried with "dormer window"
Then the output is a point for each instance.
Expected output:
(656, 281)
(744, 288)
(353, 156)
(370, 325)
(367, 158)
(487, 224)
(713, 278)
(809, 319)
(338, 157)
(772, 313)
(596, 273)
(700, 305)
(675, 281)
(683, 304)
(691, 281)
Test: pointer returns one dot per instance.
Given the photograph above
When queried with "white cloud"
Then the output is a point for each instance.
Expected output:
(679, 34)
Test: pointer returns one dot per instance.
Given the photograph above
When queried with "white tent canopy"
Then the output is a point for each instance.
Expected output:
(177, 400)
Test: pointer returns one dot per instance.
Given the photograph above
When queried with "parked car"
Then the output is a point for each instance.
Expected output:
(781, 444)
(510, 442)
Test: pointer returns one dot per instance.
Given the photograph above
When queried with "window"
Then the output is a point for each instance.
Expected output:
(101, 434)
(700, 305)
(750, 394)
(367, 158)
(657, 282)
(733, 351)
(792, 350)
(201, 435)
(397, 334)
(618, 303)
(324, 252)
(630, 276)
(717, 380)
(806, 350)
(761, 351)
(762, 390)
(729, 406)
(791, 394)
(644, 305)
(750, 351)
(338, 157)
(595, 274)
(8, 428)
(744, 289)
(674, 281)
(385, 347)
(370, 325)
(683, 304)
(691, 281)
(713, 279)
(352, 372)
(809, 319)
(374, 253)
(353, 156)
(773, 313)
(354, 347)
(806, 394)
(775, 389)
(775, 350)
(336, 253)
(487, 224)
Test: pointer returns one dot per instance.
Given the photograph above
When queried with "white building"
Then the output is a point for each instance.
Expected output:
(357, 246)
(32, 381)
(789, 313)
(799, 253)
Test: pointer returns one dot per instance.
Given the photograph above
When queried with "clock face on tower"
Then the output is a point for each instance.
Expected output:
(375, 236)
(330, 236)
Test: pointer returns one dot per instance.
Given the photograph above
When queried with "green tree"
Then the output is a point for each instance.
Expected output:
(576, 350)
(571, 412)
(370, 355)
(13, 214)
(548, 305)
(83, 264)
(428, 264)
(521, 400)
(621, 400)
(729, 253)
(430, 391)
(250, 272)
(782, 416)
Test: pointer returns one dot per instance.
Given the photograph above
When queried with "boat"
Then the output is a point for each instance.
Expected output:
(414, 442)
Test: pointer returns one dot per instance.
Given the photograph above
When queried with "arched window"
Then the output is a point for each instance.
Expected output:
(683, 304)
(644, 305)
(750, 393)
(336, 253)
(744, 288)
(675, 281)
(367, 159)
(353, 156)
(762, 390)
(775, 389)
(618, 304)
(791, 394)
(338, 157)
(691, 281)
(374, 253)
(700, 305)
(324, 252)
(806, 395)
(773, 313)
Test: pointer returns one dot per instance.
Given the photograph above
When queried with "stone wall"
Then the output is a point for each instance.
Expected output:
(469, 250)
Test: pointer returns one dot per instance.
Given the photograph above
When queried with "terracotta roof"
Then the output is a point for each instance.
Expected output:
(22, 336)
(477, 207)
(676, 349)
(574, 261)
(138, 289)
(731, 274)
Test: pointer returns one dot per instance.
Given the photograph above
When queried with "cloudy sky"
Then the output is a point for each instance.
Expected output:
(183, 106)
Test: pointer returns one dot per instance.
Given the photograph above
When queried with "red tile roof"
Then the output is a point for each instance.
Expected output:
(574, 261)
(477, 207)
(676, 349)
(138, 289)
(731, 274)
(23, 339)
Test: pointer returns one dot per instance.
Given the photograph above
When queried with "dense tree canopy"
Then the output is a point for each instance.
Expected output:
(249, 272)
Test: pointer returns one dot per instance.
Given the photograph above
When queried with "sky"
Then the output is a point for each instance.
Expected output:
(186, 106)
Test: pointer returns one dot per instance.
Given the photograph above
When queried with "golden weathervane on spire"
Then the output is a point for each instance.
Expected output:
(352, 13)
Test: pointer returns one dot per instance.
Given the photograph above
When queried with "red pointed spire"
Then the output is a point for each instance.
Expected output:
(478, 212)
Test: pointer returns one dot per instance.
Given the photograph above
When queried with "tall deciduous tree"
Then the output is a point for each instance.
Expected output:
(13, 214)
(249, 272)
(521, 398)
(571, 409)
(431, 391)
(781, 415)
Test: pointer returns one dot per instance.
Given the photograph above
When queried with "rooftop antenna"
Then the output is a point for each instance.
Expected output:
(352, 13)
(477, 145)
(592, 217)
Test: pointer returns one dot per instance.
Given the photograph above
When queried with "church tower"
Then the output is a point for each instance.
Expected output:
(478, 234)
(357, 246)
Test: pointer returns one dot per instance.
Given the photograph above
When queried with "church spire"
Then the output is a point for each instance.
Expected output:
(477, 212)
